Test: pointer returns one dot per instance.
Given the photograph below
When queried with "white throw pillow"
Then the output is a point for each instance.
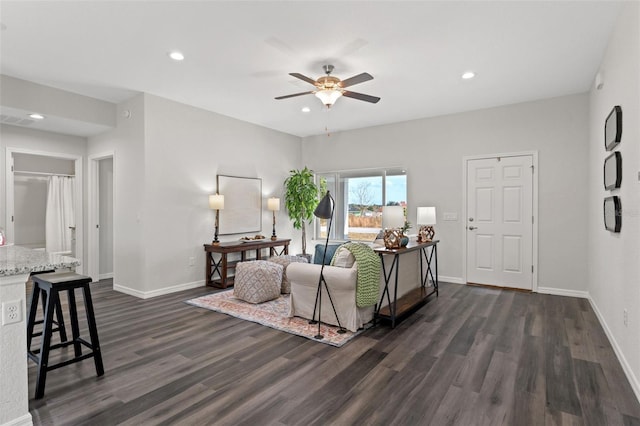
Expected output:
(344, 258)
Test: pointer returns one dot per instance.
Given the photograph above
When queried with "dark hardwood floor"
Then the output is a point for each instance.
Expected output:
(473, 356)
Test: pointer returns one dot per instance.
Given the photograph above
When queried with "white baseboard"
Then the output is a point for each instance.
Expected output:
(633, 380)
(106, 276)
(159, 292)
(564, 292)
(453, 280)
(25, 420)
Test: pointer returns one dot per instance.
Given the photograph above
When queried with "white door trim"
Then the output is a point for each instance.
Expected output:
(93, 237)
(465, 160)
(79, 207)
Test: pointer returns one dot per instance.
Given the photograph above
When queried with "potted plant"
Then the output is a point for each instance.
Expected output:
(300, 199)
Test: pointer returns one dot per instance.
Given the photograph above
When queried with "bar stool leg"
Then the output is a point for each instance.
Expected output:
(60, 320)
(75, 330)
(59, 317)
(33, 310)
(93, 330)
(43, 359)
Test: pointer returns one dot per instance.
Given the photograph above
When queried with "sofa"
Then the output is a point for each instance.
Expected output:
(341, 279)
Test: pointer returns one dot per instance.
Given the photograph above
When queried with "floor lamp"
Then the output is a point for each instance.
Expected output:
(324, 211)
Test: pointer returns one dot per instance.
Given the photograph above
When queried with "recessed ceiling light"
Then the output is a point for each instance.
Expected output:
(37, 116)
(468, 75)
(306, 109)
(176, 56)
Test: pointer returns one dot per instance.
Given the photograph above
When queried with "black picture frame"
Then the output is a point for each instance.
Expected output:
(613, 128)
(612, 214)
(613, 171)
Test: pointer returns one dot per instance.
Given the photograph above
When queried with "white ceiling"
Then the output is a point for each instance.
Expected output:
(239, 54)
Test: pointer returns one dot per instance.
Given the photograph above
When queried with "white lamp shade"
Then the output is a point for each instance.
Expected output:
(273, 204)
(426, 216)
(328, 96)
(392, 217)
(216, 202)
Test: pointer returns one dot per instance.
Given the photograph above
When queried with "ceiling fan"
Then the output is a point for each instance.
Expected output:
(330, 88)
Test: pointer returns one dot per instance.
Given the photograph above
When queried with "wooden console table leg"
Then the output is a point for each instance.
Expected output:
(207, 268)
(223, 276)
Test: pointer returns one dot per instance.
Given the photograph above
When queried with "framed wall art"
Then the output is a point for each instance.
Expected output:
(613, 128)
(242, 211)
(612, 214)
(613, 171)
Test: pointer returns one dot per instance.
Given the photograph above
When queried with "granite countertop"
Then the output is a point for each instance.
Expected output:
(16, 260)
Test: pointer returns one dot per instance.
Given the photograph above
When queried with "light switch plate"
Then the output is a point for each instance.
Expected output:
(451, 216)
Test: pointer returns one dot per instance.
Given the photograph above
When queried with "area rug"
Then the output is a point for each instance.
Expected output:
(273, 314)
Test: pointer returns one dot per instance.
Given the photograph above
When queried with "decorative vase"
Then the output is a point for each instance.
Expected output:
(404, 241)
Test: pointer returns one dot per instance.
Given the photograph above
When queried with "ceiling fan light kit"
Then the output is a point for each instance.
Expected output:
(328, 96)
(330, 88)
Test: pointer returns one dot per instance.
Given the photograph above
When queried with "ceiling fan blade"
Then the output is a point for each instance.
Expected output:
(356, 79)
(361, 97)
(295, 94)
(303, 77)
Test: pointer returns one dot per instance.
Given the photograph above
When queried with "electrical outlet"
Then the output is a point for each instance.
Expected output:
(11, 312)
(192, 261)
(625, 317)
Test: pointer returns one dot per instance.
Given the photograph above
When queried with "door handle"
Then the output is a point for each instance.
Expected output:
(471, 228)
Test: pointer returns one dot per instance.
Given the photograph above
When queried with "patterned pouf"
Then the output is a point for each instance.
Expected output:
(257, 281)
(285, 260)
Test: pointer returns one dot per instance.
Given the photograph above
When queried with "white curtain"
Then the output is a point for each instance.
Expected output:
(60, 213)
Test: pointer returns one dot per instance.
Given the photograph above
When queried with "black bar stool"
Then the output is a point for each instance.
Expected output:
(59, 321)
(51, 284)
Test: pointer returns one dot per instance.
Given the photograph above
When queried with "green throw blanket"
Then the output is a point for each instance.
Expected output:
(369, 267)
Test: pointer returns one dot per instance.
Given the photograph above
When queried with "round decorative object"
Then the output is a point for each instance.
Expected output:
(392, 238)
(404, 241)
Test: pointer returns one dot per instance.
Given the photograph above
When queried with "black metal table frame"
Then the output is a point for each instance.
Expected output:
(425, 257)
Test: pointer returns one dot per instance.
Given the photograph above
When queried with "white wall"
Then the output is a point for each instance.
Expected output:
(166, 159)
(185, 148)
(127, 142)
(432, 150)
(105, 215)
(614, 267)
(30, 204)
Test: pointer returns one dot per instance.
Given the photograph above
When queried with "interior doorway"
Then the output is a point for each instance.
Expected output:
(101, 195)
(30, 175)
(500, 226)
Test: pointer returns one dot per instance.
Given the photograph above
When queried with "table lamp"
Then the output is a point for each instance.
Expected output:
(216, 202)
(392, 222)
(273, 205)
(426, 220)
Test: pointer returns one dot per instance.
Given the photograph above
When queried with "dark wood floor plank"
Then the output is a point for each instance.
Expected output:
(471, 356)
(476, 363)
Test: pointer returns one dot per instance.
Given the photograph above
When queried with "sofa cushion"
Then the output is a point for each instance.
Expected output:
(318, 255)
(343, 258)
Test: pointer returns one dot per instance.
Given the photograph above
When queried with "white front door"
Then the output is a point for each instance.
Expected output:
(499, 221)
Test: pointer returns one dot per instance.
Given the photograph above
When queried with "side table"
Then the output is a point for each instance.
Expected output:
(410, 302)
(220, 267)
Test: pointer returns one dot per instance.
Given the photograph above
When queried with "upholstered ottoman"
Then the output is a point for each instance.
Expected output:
(285, 260)
(257, 281)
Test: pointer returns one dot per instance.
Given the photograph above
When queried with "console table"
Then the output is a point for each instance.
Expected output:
(221, 266)
(408, 303)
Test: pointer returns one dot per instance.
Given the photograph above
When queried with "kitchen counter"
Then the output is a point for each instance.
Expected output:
(16, 260)
(16, 263)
